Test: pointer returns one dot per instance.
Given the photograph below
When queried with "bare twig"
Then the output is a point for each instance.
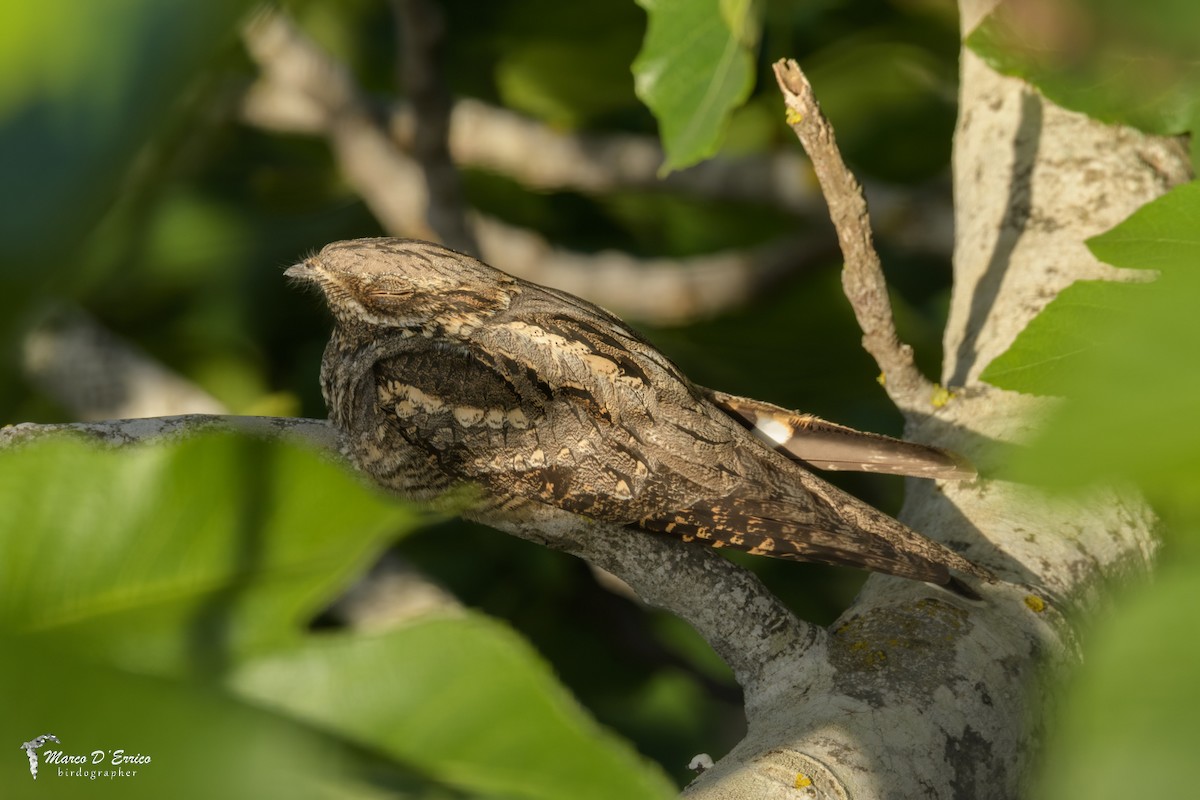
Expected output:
(94, 374)
(391, 185)
(862, 276)
(421, 25)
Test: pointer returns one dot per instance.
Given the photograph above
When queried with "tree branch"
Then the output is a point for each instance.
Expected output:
(926, 695)
(143, 430)
(662, 291)
(548, 159)
(1011, 257)
(94, 374)
(862, 275)
(751, 629)
(421, 26)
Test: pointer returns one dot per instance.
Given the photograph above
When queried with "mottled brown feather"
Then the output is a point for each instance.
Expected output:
(444, 372)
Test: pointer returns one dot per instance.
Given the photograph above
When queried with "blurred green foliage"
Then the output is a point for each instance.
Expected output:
(148, 580)
(204, 560)
(1114, 61)
(202, 742)
(78, 106)
(1130, 716)
(1123, 355)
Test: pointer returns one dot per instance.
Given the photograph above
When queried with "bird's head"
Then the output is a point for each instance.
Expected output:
(372, 285)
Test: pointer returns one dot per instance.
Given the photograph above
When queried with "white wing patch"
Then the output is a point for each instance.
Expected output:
(773, 429)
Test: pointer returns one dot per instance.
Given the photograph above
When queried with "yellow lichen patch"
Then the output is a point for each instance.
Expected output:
(802, 781)
(881, 379)
(950, 615)
(941, 395)
(1035, 604)
(793, 117)
(867, 657)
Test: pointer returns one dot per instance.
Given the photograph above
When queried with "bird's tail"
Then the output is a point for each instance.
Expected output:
(834, 529)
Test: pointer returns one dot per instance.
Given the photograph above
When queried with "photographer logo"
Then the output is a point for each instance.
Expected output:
(109, 764)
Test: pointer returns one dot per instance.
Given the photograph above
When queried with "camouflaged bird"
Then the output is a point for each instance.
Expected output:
(443, 372)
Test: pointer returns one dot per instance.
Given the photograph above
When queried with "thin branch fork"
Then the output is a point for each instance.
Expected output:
(862, 276)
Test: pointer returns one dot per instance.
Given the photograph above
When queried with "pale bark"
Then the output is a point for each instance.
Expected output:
(921, 694)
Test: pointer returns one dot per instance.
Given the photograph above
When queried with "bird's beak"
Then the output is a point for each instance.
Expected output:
(304, 271)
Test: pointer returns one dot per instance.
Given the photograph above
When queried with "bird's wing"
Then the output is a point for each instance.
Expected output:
(826, 445)
(812, 530)
(599, 430)
(520, 434)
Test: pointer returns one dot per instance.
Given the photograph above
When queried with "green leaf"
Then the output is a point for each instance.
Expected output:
(1131, 716)
(1132, 399)
(77, 105)
(1124, 355)
(695, 67)
(201, 742)
(175, 557)
(1161, 235)
(207, 556)
(1093, 56)
(464, 700)
(1073, 325)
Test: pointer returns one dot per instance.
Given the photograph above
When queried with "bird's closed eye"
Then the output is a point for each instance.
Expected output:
(391, 296)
